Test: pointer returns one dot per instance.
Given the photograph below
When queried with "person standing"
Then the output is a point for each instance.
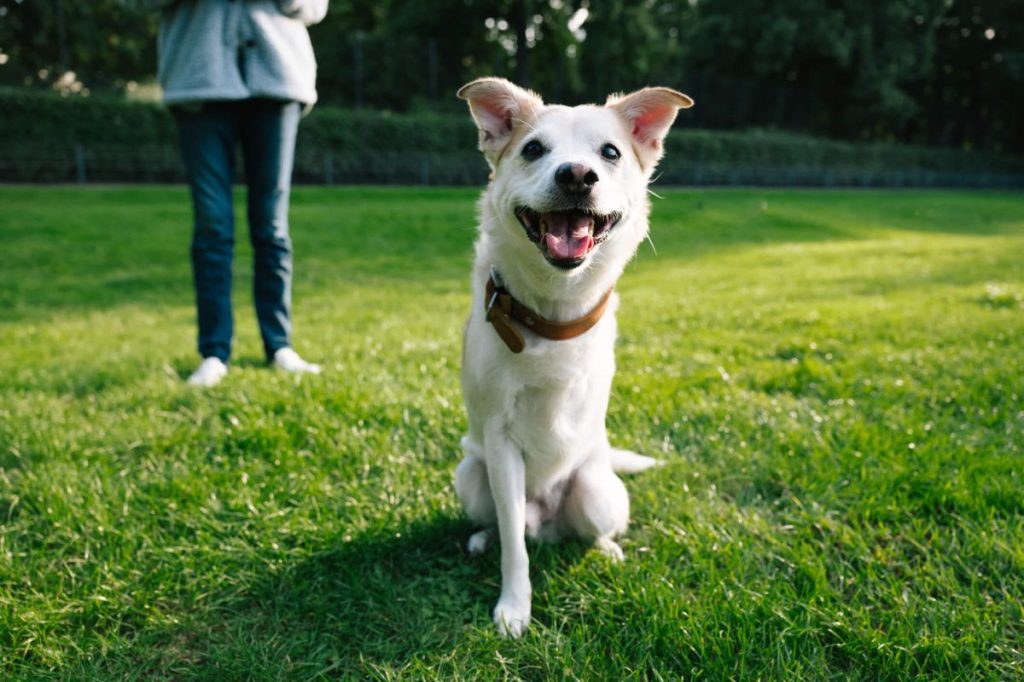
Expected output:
(239, 72)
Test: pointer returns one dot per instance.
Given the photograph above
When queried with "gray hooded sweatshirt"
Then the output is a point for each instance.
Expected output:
(237, 49)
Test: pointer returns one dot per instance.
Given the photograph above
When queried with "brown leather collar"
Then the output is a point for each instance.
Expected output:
(502, 308)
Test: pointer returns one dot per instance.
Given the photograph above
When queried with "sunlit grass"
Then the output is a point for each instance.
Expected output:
(835, 380)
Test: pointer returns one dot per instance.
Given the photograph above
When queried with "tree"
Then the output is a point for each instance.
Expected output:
(945, 72)
(972, 93)
(401, 55)
(840, 68)
(103, 43)
(627, 45)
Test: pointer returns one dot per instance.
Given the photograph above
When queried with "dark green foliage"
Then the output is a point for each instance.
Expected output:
(778, 158)
(105, 43)
(918, 71)
(47, 118)
(50, 138)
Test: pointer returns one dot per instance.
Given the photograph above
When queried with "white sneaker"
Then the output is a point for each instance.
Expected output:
(209, 372)
(287, 360)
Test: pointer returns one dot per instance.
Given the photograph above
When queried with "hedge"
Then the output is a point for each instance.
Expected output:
(47, 138)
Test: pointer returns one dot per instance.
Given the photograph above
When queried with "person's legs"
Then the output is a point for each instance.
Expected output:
(268, 130)
(208, 137)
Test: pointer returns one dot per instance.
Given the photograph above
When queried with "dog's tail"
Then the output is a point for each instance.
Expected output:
(628, 462)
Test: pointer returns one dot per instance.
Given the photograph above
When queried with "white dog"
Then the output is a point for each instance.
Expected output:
(564, 212)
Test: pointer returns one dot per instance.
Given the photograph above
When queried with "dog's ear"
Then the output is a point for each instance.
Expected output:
(499, 109)
(649, 114)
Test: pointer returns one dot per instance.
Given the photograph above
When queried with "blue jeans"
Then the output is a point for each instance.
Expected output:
(208, 137)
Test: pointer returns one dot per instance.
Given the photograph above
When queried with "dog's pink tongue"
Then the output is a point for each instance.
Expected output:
(568, 236)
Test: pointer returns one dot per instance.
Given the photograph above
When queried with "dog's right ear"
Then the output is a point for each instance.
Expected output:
(499, 109)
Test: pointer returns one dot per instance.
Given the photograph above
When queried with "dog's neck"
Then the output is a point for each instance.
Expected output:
(550, 293)
(557, 295)
(502, 308)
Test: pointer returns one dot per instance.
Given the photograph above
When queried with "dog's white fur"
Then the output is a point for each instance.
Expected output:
(537, 457)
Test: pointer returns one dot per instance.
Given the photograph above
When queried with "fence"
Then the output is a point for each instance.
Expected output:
(83, 163)
(46, 138)
(104, 163)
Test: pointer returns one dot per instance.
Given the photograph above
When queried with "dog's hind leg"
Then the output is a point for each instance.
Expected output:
(478, 541)
(597, 507)
(474, 491)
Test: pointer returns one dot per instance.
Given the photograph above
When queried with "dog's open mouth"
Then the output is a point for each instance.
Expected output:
(566, 238)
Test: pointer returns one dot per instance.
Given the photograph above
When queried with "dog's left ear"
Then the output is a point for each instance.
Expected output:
(649, 114)
(499, 108)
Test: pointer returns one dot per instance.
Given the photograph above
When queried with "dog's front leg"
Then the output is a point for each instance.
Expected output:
(506, 473)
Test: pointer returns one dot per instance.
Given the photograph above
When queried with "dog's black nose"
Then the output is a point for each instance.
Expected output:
(575, 178)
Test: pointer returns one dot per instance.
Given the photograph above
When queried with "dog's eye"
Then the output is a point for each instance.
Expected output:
(610, 152)
(533, 150)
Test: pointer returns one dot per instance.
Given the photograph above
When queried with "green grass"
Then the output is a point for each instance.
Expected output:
(835, 380)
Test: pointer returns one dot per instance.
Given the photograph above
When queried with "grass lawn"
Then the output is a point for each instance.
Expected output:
(835, 379)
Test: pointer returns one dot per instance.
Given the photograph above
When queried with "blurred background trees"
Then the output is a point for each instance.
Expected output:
(944, 72)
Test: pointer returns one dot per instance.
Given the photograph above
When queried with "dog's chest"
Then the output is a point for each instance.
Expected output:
(558, 419)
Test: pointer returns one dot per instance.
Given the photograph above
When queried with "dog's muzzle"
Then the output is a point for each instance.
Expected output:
(566, 237)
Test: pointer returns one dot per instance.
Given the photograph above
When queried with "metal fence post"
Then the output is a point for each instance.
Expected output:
(328, 169)
(424, 170)
(80, 163)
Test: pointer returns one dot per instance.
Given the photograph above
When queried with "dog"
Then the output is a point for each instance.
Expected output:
(564, 212)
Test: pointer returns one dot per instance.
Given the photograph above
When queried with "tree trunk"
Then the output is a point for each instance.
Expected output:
(521, 17)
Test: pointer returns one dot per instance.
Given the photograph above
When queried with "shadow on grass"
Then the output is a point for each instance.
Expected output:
(365, 604)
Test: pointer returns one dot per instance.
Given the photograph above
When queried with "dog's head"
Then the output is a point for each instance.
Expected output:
(571, 180)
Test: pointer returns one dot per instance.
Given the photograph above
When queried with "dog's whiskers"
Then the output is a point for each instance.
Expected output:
(651, 241)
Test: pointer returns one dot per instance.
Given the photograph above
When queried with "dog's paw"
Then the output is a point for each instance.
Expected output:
(610, 549)
(479, 541)
(512, 616)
